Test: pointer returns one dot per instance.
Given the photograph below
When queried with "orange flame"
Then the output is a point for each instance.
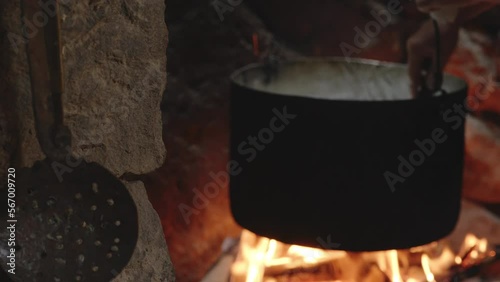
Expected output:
(262, 259)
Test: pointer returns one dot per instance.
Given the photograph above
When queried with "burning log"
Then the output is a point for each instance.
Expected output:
(461, 255)
(434, 262)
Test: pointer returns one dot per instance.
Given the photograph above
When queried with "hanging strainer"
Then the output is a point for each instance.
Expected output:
(79, 224)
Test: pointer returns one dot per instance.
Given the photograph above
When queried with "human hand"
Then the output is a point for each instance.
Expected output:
(422, 59)
(428, 6)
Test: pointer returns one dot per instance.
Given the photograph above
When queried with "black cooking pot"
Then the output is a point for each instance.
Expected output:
(336, 154)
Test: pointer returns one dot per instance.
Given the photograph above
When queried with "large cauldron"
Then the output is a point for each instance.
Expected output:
(336, 154)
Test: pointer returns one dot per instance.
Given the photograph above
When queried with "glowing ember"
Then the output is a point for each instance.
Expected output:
(426, 268)
(265, 260)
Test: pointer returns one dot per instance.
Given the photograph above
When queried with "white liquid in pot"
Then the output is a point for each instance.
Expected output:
(335, 80)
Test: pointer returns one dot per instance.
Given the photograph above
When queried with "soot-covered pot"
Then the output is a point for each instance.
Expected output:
(337, 154)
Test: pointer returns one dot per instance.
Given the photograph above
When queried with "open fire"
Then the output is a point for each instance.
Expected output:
(266, 260)
(460, 256)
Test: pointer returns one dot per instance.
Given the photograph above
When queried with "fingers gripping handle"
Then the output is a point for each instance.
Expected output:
(445, 16)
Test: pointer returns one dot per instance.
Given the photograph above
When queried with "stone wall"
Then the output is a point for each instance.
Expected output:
(114, 57)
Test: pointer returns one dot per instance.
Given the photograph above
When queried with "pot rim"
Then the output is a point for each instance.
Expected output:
(236, 81)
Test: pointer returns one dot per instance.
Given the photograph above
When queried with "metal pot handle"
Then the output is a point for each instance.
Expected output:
(425, 91)
(44, 59)
(438, 75)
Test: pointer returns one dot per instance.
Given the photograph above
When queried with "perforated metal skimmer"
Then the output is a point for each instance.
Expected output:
(78, 226)
(81, 229)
